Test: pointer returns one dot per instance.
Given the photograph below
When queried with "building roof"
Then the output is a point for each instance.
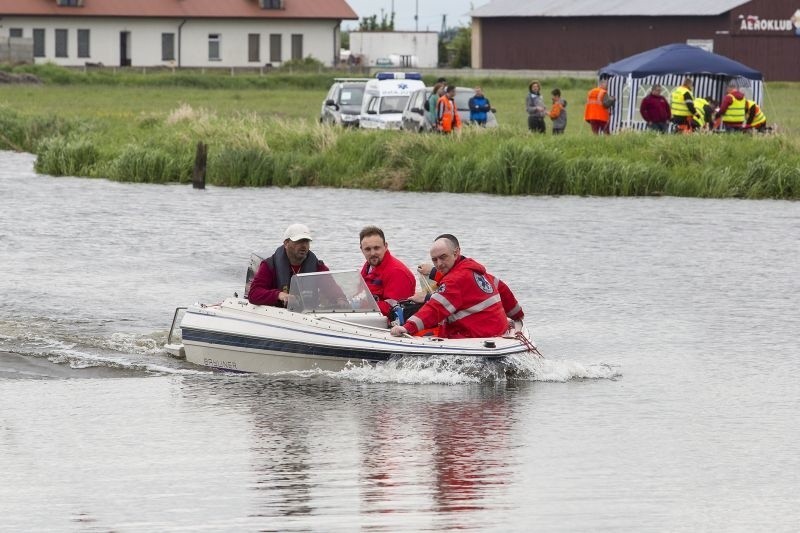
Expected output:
(608, 8)
(294, 9)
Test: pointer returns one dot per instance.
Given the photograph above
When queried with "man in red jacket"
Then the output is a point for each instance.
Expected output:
(388, 279)
(466, 302)
(511, 306)
(271, 284)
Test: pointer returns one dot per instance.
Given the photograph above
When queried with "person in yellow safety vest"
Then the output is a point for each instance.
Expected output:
(699, 118)
(756, 120)
(731, 109)
(682, 106)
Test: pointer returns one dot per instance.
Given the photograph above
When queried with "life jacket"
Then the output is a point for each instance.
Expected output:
(735, 113)
(677, 104)
(279, 264)
(447, 114)
(700, 117)
(595, 110)
(759, 117)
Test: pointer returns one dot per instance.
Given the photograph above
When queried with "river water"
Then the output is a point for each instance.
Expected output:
(667, 400)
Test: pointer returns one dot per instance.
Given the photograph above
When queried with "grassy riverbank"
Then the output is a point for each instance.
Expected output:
(260, 137)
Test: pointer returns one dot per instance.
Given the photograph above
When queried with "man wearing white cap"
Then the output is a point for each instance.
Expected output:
(271, 284)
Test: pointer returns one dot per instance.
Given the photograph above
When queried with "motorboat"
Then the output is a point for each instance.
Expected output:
(331, 321)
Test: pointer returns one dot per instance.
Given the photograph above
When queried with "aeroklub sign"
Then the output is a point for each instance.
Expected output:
(756, 24)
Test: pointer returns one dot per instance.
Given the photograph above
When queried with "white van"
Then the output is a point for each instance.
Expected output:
(385, 98)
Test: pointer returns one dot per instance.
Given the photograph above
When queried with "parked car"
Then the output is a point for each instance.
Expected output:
(342, 104)
(415, 116)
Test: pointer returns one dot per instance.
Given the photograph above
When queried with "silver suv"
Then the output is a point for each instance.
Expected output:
(415, 116)
(342, 104)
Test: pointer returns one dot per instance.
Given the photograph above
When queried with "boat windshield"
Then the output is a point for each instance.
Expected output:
(334, 291)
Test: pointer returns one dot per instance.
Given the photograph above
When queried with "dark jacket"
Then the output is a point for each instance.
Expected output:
(275, 274)
(654, 108)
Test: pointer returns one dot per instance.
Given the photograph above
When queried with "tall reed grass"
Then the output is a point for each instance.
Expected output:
(249, 150)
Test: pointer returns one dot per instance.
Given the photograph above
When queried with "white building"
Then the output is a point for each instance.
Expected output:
(183, 33)
(414, 49)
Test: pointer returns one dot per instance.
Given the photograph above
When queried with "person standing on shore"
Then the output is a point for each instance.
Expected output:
(534, 105)
(558, 113)
(447, 115)
(479, 108)
(430, 104)
(655, 110)
(598, 108)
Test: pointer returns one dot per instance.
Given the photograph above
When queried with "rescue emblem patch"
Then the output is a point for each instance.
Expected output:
(440, 288)
(483, 283)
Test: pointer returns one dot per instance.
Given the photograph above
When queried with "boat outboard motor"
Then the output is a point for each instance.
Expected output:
(252, 268)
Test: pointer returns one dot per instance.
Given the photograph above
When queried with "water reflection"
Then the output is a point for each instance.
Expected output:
(320, 443)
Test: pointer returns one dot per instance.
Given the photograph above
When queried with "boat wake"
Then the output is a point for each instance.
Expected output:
(78, 346)
(453, 370)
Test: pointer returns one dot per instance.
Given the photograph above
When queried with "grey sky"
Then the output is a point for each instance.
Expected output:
(430, 12)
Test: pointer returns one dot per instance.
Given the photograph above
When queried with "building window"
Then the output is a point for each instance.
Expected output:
(275, 53)
(83, 43)
(61, 43)
(213, 47)
(38, 42)
(15, 32)
(167, 47)
(271, 4)
(254, 47)
(71, 3)
(297, 46)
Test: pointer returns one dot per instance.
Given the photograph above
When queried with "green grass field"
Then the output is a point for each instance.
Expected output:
(264, 131)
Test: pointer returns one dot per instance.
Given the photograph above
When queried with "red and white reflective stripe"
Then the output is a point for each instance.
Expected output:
(477, 308)
(513, 312)
(497, 283)
(417, 322)
(444, 302)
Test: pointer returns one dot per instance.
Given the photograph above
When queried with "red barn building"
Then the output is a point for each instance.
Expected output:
(587, 35)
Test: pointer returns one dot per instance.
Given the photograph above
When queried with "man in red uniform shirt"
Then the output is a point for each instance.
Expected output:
(466, 302)
(271, 284)
(388, 279)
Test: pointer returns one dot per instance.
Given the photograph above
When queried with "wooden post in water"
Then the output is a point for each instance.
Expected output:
(199, 171)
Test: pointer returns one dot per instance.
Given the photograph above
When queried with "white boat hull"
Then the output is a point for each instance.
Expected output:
(238, 336)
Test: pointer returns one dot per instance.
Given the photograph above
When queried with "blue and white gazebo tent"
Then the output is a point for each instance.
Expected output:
(630, 79)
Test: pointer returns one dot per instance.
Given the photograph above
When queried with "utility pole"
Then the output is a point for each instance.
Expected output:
(416, 16)
(444, 23)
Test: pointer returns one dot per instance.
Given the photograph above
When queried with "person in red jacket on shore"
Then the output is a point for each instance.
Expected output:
(466, 302)
(655, 110)
(271, 283)
(388, 279)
